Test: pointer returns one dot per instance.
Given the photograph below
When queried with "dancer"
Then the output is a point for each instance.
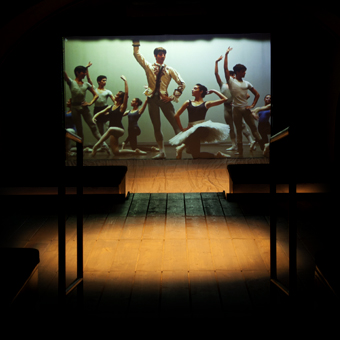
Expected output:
(101, 102)
(262, 114)
(228, 114)
(133, 129)
(116, 128)
(238, 88)
(159, 76)
(198, 129)
(70, 127)
(79, 107)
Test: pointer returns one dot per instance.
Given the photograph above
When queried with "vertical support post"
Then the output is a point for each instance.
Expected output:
(292, 221)
(61, 219)
(80, 260)
(272, 238)
(292, 245)
(61, 245)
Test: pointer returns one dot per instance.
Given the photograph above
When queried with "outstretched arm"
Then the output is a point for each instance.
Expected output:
(226, 70)
(259, 109)
(262, 108)
(179, 112)
(218, 78)
(94, 119)
(220, 101)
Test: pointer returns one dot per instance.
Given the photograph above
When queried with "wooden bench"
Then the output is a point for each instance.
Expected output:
(255, 179)
(104, 180)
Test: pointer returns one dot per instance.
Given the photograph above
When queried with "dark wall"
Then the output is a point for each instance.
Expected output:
(305, 55)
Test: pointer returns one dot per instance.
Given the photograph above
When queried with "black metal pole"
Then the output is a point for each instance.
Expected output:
(80, 260)
(61, 245)
(273, 222)
(61, 220)
(292, 220)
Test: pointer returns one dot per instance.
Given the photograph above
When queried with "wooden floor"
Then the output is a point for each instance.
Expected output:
(172, 176)
(170, 152)
(182, 255)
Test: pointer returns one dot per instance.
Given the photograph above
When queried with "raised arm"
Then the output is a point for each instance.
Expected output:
(88, 74)
(141, 60)
(66, 77)
(143, 106)
(218, 78)
(126, 90)
(220, 101)
(179, 112)
(226, 70)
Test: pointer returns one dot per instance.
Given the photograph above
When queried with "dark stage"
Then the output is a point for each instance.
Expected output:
(174, 255)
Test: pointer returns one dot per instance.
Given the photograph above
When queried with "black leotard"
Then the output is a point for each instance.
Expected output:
(115, 117)
(196, 112)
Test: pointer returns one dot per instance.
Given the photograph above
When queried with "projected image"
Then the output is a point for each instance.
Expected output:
(168, 97)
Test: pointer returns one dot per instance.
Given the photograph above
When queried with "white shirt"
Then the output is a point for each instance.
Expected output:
(224, 88)
(239, 90)
(103, 97)
(168, 73)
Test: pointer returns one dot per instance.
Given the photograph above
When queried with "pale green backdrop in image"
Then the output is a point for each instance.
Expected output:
(193, 59)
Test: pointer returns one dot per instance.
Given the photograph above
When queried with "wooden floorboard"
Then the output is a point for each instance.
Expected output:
(166, 255)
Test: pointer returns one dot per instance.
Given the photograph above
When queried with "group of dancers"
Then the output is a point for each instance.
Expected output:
(233, 95)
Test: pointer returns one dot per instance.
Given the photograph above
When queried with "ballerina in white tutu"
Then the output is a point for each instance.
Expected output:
(199, 130)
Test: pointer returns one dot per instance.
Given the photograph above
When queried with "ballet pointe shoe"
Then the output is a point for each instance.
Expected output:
(232, 148)
(161, 155)
(266, 150)
(220, 154)
(252, 146)
(140, 152)
(179, 150)
(239, 150)
(94, 150)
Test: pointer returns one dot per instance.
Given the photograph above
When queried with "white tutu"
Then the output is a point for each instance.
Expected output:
(217, 132)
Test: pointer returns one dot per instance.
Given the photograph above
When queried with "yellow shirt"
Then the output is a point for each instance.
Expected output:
(168, 73)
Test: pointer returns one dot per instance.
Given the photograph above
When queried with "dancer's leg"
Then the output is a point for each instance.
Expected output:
(101, 120)
(237, 116)
(193, 142)
(76, 117)
(154, 113)
(228, 117)
(179, 150)
(169, 113)
(88, 119)
(112, 131)
(251, 123)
